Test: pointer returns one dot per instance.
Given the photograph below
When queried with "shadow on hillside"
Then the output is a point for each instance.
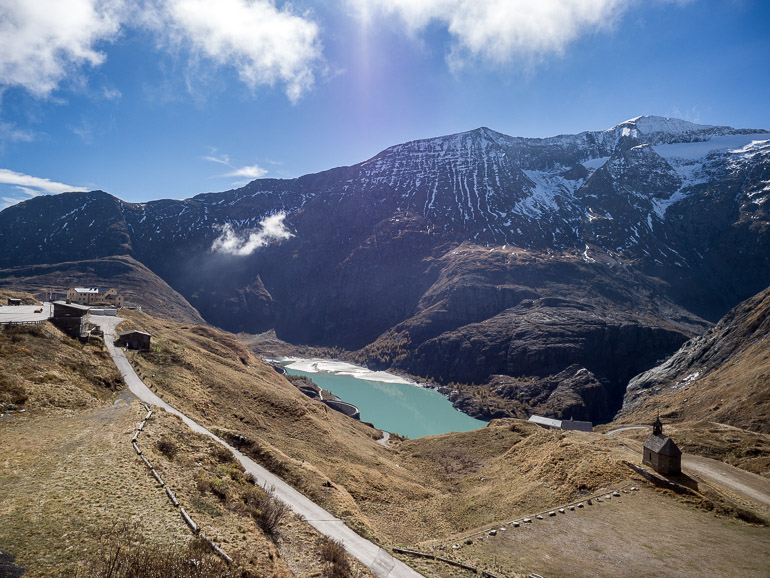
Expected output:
(7, 568)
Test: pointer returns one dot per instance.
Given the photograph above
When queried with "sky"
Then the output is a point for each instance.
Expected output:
(151, 99)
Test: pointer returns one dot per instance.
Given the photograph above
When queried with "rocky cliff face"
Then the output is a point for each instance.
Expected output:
(442, 257)
(722, 375)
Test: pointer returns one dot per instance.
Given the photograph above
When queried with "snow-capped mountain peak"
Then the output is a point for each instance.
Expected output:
(650, 124)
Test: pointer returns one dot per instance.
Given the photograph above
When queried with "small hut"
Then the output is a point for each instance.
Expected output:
(134, 340)
(661, 453)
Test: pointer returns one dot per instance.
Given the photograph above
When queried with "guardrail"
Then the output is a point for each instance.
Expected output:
(23, 322)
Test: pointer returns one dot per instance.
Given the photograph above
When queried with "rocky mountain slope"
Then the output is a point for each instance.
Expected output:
(722, 375)
(474, 258)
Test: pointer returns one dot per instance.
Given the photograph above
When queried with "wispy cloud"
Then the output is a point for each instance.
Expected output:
(31, 186)
(223, 160)
(501, 31)
(9, 132)
(44, 41)
(271, 229)
(111, 93)
(247, 171)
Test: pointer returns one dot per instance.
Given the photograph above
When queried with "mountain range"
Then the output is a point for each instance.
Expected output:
(544, 273)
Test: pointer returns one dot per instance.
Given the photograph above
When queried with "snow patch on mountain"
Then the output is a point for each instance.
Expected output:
(699, 150)
(593, 164)
(547, 187)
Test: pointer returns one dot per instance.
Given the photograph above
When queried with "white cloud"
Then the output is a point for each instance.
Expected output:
(31, 186)
(250, 172)
(43, 41)
(223, 160)
(500, 31)
(271, 229)
(263, 43)
(111, 93)
(8, 177)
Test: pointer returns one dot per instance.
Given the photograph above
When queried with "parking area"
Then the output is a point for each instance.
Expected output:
(25, 313)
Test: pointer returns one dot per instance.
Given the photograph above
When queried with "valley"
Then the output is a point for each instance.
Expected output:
(478, 259)
(423, 494)
(609, 276)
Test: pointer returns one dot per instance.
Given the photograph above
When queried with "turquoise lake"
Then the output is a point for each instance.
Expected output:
(391, 405)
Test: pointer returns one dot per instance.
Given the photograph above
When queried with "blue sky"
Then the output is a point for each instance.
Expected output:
(150, 99)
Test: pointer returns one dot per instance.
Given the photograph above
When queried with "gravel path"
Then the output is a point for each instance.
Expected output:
(747, 485)
(379, 561)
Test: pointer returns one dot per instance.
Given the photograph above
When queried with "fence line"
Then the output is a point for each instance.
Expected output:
(607, 495)
(194, 528)
(445, 561)
(561, 509)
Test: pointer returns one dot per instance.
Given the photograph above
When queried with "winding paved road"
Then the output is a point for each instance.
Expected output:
(379, 561)
(383, 441)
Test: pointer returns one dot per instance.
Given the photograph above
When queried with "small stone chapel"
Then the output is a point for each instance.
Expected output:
(661, 453)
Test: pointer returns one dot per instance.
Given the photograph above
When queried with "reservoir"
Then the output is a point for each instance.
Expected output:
(388, 401)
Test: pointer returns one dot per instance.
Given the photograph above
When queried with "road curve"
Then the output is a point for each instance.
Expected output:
(379, 561)
(745, 484)
(622, 429)
(383, 441)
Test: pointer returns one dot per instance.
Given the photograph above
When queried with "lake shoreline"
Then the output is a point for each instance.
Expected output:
(391, 402)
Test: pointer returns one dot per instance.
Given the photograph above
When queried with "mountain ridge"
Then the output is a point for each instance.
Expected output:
(657, 223)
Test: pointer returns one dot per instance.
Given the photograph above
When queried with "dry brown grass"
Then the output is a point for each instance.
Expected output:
(69, 475)
(47, 369)
(333, 553)
(26, 298)
(424, 491)
(422, 488)
(418, 490)
(66, 476)
(645, 533)
(128, 554)
(738, 447)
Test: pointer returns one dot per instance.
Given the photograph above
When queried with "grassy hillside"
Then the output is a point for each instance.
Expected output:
(394, 495)
(76, 496)
(736, 393)
(425, 492)
(69, 453)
